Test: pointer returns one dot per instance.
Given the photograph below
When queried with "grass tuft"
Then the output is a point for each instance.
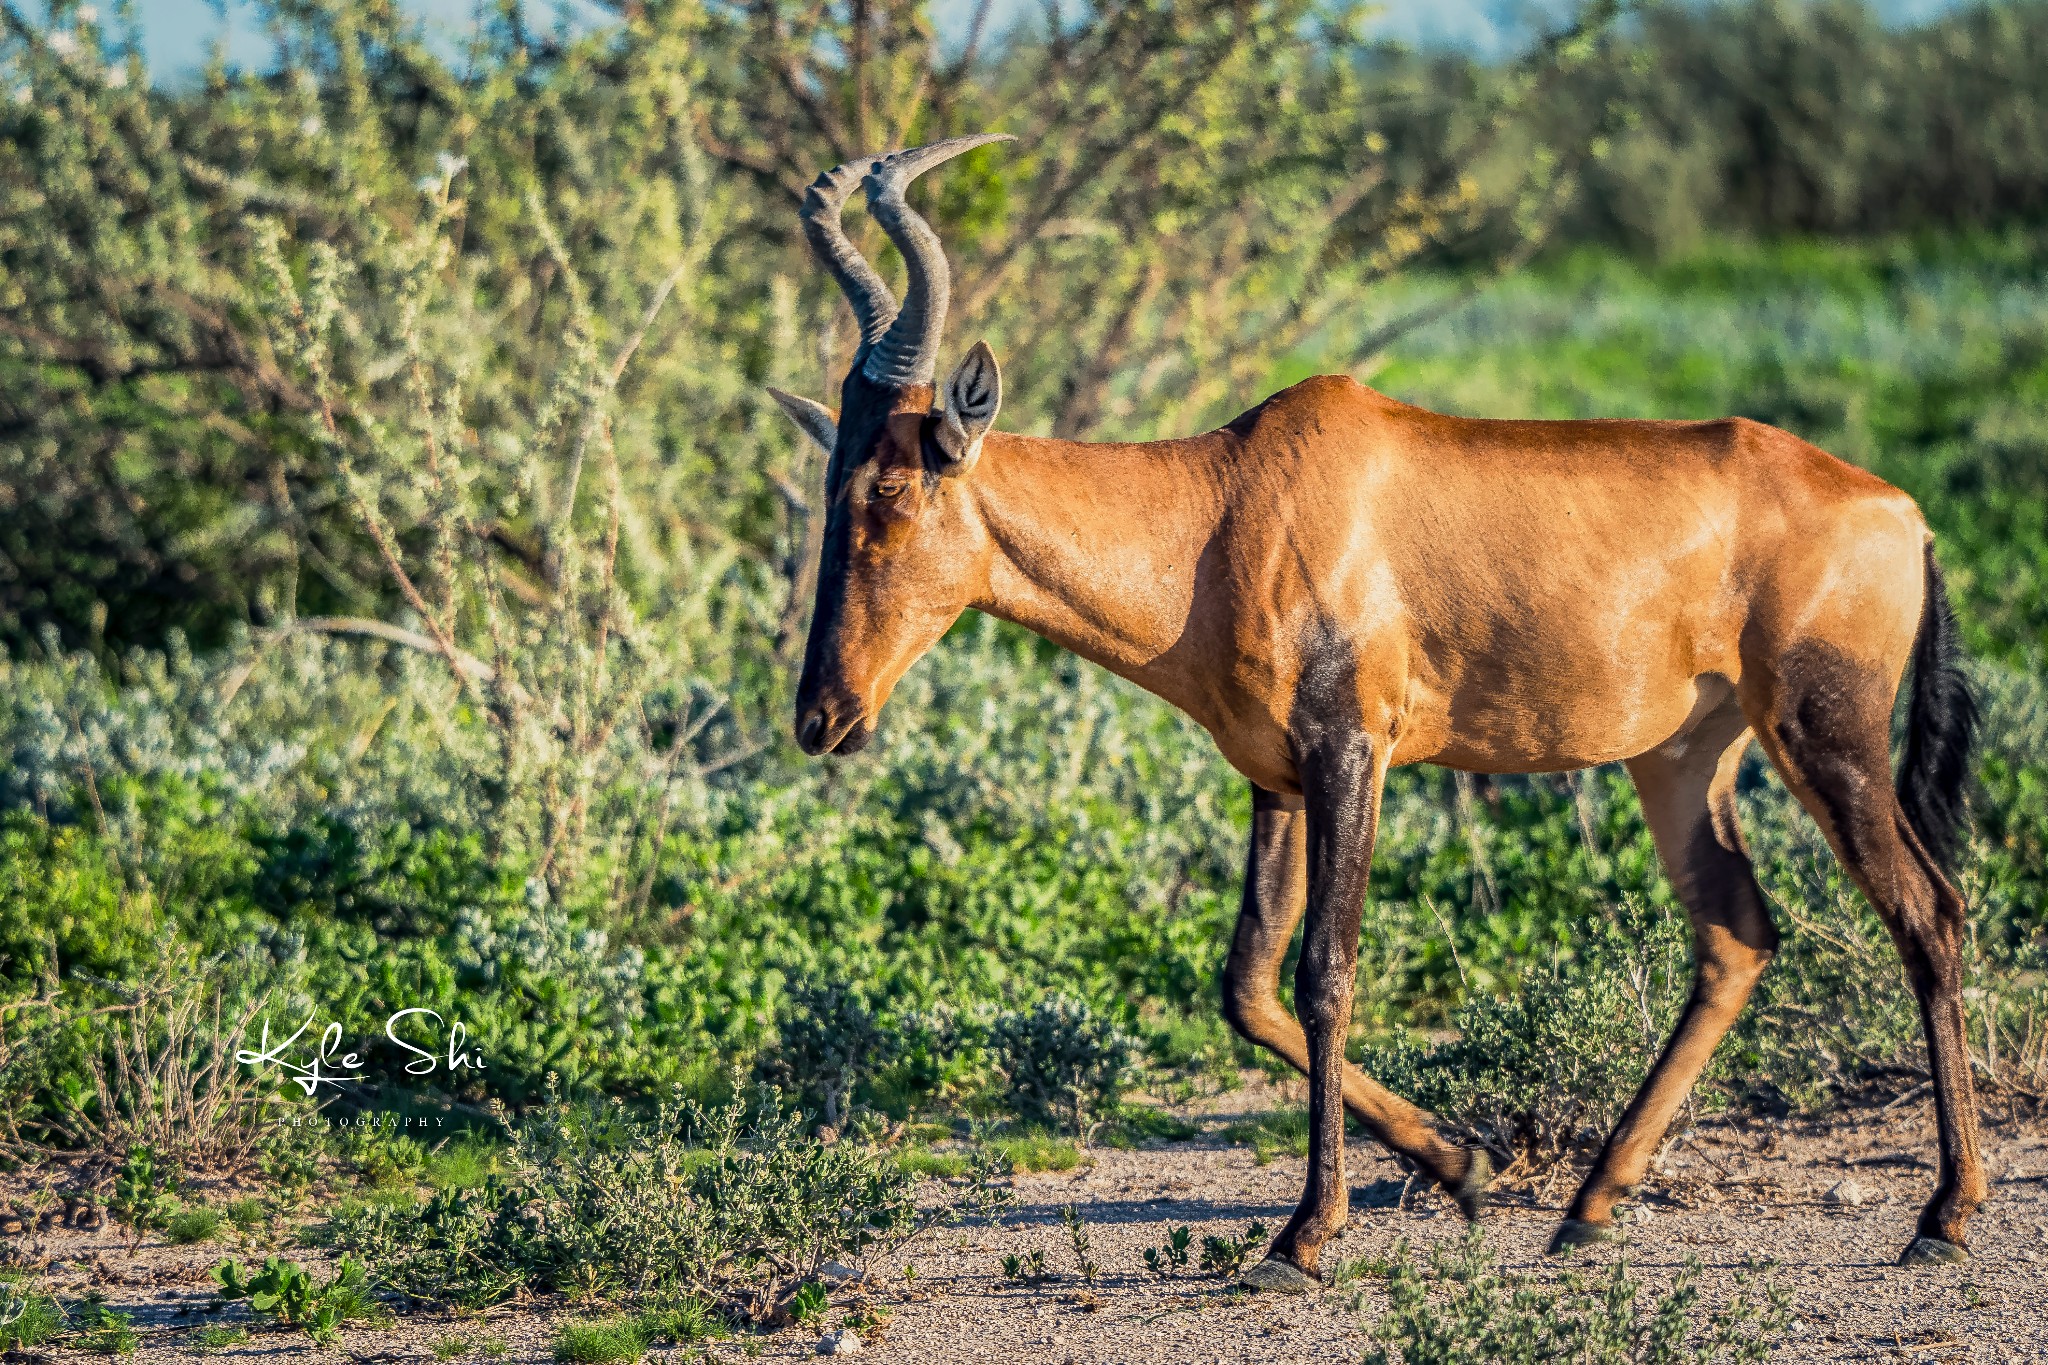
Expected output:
(1284, 1132)
(190, 1226)
(1037, 1152)
(600, 1341)
(208, 1340)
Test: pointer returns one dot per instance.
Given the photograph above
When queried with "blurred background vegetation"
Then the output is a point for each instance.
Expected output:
(402, 571)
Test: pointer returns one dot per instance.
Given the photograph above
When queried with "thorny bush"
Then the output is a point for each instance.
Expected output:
(734, 1204)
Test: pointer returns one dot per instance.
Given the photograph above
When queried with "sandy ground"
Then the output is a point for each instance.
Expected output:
(1727, 1193)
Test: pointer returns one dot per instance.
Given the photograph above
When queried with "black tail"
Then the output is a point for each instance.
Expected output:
(1941, 729)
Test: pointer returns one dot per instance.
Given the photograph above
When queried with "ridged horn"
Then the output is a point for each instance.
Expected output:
(874, 308)
(908, 351)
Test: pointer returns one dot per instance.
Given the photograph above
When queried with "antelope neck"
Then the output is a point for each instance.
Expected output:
(1095, 546)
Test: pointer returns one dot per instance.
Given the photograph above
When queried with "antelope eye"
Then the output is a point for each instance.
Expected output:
(891, 486)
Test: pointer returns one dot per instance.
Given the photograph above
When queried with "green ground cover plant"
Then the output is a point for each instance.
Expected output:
(28, 1317)
(287, 1294)
(1461, 1309)
(211, 1340)
(735, 1206)
(600, 1341)
(189, 1226)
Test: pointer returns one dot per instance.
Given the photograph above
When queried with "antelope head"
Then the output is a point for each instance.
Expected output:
(904, 549)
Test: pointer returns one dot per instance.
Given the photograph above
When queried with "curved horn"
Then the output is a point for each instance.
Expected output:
(874, 308)
(908, 352)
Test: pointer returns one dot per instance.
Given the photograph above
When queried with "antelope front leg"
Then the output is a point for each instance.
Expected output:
(1341, 774)
(1275, 894)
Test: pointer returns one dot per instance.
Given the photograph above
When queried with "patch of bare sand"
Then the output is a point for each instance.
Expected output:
(1730, 1192)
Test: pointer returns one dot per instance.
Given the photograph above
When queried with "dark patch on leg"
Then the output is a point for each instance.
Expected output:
(1832, 726)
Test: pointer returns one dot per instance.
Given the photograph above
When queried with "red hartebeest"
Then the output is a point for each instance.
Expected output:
(1337, 582)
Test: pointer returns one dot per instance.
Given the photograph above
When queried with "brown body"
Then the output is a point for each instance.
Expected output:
(1337, 583)
(1520, 597)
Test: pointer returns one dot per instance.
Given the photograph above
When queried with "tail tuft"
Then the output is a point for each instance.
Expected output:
(1941, 729)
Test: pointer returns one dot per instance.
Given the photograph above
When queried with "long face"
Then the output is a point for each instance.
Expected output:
(903, 553)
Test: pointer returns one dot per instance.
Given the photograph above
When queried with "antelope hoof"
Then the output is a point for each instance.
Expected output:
(1275, 1276)
(1576, 1232)
(1932, 1251)
(1471, 1191)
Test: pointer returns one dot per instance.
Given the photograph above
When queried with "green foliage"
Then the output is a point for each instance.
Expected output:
(247, 1213)
(286, 1293)
(28, 1317)
(1771, 119)
(1136, 1124)
(1171, 1256)
(1462, 1310)
(926, 1164)
(140, 1198)
(1226, 1255)
(1283, 1132)
(1077, 1236)
(1026, 1268)
(192, 1225)
(807, 1306)
(828, 1041)
(683, 1204)
(600, 1341)
(1548, 1067)
(103, 1331)
(1062, 1063)
(1036, 1152)
(137, 220)
(682, 1322)
(212, 1340)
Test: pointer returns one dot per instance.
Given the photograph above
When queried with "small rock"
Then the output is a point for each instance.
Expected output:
(844, 1342)
(835, 1274)
(1847, 1192)
(1640, 1214)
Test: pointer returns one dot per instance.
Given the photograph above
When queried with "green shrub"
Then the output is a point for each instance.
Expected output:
(208, 1340)
(1462, 1310)
(1544, 1069)
(141, 1196)
(1283, 1132)
(104, 1331)
(685, 1203)
(27, 1316)
(808, 1305)
(189, 1226)
(828, 1041)
(247, 1213)
(1062, 1064)
(1036, 1152)
(600, 1341)
(1171, 1256)
(284, 1292)
(1224, 1256)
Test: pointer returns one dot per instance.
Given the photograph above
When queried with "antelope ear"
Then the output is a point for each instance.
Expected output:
(972, 396)
(815, 418)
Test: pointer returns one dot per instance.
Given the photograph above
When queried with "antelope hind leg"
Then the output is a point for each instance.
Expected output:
(1688, 795)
